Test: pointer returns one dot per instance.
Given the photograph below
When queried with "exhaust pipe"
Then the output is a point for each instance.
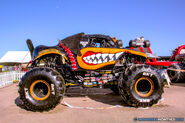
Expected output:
(30, 46)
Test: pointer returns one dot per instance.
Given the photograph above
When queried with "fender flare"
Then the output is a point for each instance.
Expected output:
(48, 53)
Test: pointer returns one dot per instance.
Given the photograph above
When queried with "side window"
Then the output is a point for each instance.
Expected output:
(94, 43)
(98, 44)
(108, 44)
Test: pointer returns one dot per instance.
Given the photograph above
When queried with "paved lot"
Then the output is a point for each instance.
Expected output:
(173, 105)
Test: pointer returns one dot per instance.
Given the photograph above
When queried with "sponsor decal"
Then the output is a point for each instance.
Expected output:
(147, 74)
(144, 100)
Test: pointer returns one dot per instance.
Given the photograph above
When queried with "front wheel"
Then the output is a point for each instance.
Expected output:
(114, 88)
(141, 86)
(41, 89)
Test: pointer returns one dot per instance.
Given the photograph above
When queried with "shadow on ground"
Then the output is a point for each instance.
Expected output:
(101, 95)
(105, 96)
(180, 84)
(19, 103)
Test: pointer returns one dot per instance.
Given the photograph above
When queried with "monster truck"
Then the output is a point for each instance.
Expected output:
(88, 61)
(139, 44)
(175, 71)
(177, 75)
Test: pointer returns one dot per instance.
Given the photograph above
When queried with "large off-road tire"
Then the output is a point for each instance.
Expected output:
(41, 89)
(141, 86)
(175, 76)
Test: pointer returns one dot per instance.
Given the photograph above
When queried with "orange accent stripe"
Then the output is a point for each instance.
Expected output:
(51, 53)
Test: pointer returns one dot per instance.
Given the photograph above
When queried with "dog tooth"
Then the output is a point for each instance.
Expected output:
(92, 56)
(98, 55)
(111, 55)
(90, 61)
(112, 59)
(104, 55)
(84, 58)
(86, 61)
(99, 61)
(88, 57)
(94, 62)
(118, 54)
(105, 60)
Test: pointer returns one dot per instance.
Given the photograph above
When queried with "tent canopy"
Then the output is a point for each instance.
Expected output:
(13, 57)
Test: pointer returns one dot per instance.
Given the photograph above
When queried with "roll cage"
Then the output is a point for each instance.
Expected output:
(79, 41)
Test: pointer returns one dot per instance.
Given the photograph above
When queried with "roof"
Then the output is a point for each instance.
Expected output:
(16, 57)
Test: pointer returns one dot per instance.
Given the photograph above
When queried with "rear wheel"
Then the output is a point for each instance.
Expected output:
(41, 89)
(141, 86)
(175, 76)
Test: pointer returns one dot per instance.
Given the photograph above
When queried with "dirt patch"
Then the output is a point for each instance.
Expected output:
(172, 105)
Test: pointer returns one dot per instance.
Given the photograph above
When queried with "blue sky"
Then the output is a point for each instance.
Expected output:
(44, 21)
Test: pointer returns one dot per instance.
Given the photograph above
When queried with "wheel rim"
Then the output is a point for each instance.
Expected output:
(144, 87)
(40, 90)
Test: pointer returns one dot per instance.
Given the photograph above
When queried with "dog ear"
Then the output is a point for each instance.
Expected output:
(72, 42)
(30, 46)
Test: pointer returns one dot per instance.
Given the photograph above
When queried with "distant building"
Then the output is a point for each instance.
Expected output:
(13, 60)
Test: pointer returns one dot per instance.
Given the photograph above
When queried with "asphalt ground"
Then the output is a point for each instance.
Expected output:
(92, 106)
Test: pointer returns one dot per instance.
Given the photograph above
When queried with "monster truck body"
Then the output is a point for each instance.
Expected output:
(178, 51)
(89, 61)
(142, 45)
(180, 58)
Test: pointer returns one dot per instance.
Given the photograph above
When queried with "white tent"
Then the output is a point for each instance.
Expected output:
(16, 57)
